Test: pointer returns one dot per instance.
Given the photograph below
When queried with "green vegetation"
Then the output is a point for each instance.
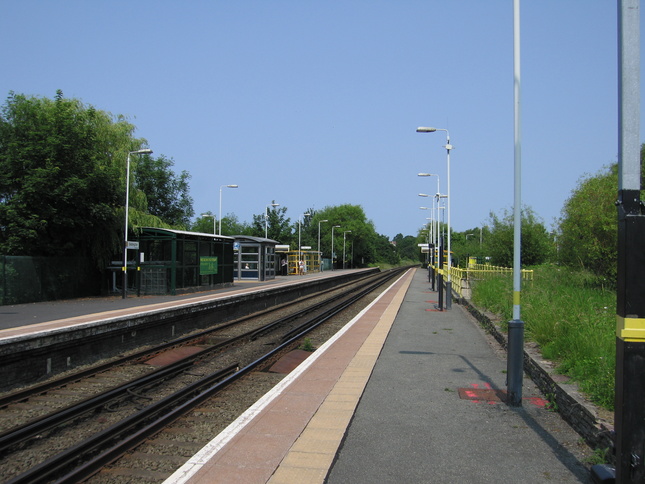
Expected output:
(63, 184)
(63, 180)
(307, 345)
(599, 456)
(570, 318)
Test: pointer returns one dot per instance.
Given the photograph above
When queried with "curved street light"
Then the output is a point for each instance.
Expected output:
(214, 221)
(435, 232)
(219, 232)
(320, 253)
(300, 219)
(266, 218)
(332, 244)
(145, 151)
(344, 235)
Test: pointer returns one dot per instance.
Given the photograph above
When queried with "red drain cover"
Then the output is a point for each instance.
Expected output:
(289, 361)
(482, 394)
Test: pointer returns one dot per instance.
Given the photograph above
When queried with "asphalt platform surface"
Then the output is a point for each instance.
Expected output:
(432, 411)
(15, 315)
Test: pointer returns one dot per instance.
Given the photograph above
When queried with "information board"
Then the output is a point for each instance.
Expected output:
(208, 265)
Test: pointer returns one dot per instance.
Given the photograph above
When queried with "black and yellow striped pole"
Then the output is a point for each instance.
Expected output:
(629, 416)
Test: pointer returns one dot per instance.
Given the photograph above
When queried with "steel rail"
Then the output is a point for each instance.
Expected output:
(145, 423)
(43, 388)
(341, 307)
(17, 435)
(52, 468)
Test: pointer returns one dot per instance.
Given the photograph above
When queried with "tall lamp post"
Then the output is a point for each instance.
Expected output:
(300, 220)
(214, 222)
(145, 151)
(422, 129)
(266, 219)
(431, 228)
(433, 211)
(431, 238)
(320, 253)
(344, 235)
(332, 244)
(219, 232)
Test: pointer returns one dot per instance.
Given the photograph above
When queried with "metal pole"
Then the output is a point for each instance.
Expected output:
(435, 253)
(266, 218)
(515, 361)
(220, 205)
(440, 277)
(300, 219)
(424, 129)
(344, 238)
(219, 230)
(144, 151)
(449, 282)
(266, 222)
(629, 417)
(332, 245)
(125, 244)
(320, 253)
(436, 232)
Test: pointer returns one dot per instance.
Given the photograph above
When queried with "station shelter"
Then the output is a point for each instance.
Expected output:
(174, 261)
(310, 258)
(254, 258)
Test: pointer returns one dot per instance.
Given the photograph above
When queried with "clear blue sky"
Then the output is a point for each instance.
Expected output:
(315, 104)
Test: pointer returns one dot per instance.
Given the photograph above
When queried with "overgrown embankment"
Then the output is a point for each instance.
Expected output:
(570, 318)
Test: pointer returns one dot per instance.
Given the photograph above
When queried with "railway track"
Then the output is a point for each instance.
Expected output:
(113, 422)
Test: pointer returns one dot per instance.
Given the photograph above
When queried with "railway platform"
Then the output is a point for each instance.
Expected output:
(404, 393)
(20, 319)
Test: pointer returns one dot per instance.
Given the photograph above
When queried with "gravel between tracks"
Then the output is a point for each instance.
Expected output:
(154, 461)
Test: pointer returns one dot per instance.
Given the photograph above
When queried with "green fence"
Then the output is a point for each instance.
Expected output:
(31, 279)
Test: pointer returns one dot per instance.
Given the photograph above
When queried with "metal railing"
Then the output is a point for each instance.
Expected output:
(462, 278)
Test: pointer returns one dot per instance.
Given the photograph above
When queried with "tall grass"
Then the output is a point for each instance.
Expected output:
(572, 321)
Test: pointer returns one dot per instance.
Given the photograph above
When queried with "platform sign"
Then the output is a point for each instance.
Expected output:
(208, 265)
(132, 245)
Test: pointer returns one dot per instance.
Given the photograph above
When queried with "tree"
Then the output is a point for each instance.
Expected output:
(535, 246)
(163, 193)
(467, 244)
(63, 181)
(62, 178)
(206, 223)
(588, 228)
(277, 223)
(383, 250)
(589, 225)
(355, 231)
(407, 248)
(232, 226)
